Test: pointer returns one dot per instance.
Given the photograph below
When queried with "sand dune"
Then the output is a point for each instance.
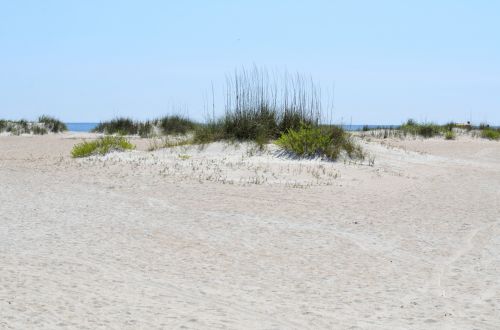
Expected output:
(233, 237)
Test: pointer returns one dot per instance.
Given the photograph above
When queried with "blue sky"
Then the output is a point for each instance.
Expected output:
(389, 60)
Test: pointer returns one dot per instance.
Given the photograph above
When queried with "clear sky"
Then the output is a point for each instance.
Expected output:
(84, 60)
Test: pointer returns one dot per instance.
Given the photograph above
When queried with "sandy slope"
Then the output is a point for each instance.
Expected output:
(230, 237)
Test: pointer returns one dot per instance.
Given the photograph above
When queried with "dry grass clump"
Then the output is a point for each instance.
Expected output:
(101, 146)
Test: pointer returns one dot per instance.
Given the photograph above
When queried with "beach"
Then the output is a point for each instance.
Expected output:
(231, 236)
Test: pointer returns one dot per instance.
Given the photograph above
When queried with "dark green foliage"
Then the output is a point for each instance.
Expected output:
(126, 126)
(122, 126)
(52, 124)
(38, 130)
(175, 124)
(145, 129)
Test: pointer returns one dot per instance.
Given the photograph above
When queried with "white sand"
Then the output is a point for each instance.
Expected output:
(233, 238)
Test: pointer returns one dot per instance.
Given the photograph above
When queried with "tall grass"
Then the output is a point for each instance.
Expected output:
(261, 107)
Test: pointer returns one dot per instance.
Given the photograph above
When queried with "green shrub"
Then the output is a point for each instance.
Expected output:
(101, 146)
(3, 125)
(52, 124)
(490, 133)
(310, 141)
(449, 135)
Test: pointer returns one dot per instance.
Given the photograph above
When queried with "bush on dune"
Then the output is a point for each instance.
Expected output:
(101, 146)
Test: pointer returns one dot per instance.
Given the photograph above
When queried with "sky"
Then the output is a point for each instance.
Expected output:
(381, 62)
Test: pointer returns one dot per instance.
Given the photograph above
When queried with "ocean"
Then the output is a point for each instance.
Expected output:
(81, 127)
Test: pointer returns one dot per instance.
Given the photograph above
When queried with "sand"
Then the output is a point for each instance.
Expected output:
(232, 237)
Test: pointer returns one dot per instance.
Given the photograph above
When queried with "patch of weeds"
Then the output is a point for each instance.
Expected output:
(101, 146)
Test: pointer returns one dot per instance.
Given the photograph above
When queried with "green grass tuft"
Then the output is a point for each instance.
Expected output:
(101, 146)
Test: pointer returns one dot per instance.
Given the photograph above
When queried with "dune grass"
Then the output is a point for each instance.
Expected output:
(310, 141)
(260, 108)
(52, 124)
(122, 126)
(450, 135)
(425, 130)
(490, 133)
(101, 146)
(167, 125)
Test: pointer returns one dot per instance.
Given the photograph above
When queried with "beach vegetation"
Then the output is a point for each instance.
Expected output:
(260, 107)
(310, 141)
(120, 126)
(491, 133)
(175, 124)
(101, 146)
(52, 124)
(449, 135)
(425, 130)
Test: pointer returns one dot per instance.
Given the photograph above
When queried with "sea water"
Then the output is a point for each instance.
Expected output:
(81, 127)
